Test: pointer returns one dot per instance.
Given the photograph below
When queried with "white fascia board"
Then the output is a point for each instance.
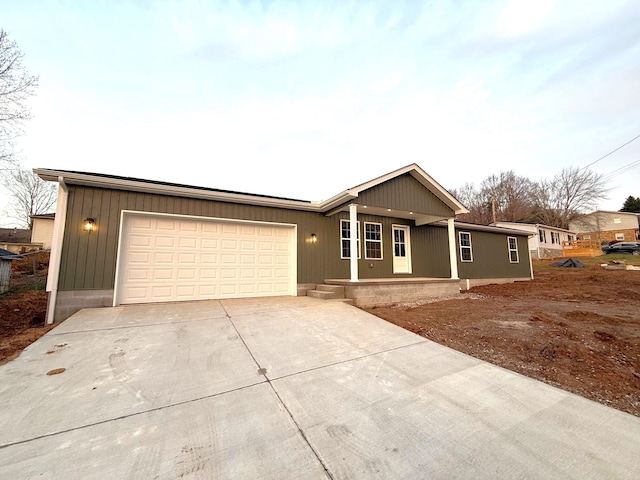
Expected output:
(186, 191)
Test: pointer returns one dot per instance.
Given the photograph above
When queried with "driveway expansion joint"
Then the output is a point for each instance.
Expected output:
(263, 371)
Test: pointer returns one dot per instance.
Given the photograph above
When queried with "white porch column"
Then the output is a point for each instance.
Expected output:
(353, 240)
(453, 254)
(56, 249)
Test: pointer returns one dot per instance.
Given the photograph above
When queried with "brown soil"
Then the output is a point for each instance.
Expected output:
(23, 309)
(577, 329)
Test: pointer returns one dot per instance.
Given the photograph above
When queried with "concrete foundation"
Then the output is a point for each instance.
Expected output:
(468, 283)
(72, 301)
(373, 293)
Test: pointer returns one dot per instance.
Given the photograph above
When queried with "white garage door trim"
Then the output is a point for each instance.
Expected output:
(289, 268)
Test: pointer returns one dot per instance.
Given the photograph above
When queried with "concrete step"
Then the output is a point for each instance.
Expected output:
(324, 295)
(337, 289)
(303, 288)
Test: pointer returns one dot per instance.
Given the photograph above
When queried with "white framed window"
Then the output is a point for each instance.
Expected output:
(619, 236)
(372, 241)
(543, 236)
(617, 220)
(512, 243)
(586, 237)
(345, 239)
(466, 251)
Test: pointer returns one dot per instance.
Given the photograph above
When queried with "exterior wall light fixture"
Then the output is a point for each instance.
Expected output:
(314, 238)
(89, 224)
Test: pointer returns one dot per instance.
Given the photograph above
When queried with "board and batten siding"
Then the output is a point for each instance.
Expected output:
(404, 193)
(491, 256)
(89, 259)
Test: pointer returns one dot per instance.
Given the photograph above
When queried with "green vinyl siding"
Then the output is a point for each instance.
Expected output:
(407, 194)
(491, 256)
(89, 259)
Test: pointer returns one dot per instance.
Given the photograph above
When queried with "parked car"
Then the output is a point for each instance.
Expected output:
(623, 247)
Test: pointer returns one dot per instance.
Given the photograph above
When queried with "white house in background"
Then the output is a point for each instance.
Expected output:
(42, 229)
(546, 241)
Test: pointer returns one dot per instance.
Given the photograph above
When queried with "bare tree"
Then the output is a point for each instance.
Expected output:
(31, 194)
(16, 86)
(504, 197)
(571, 192)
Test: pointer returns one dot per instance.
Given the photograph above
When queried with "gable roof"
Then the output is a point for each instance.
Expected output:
(175, 189)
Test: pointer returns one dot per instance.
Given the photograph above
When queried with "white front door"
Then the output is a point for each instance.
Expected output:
(401, 249)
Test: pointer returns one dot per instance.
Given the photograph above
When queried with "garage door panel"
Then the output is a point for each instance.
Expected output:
(187, 259)
(165, 242)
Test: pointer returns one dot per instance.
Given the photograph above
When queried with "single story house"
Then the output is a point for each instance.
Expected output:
(545, 241)
(120, 240)
(42, 229)
(606, 226)
(6, 257)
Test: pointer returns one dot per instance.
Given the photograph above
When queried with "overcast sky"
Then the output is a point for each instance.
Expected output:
(305, 99)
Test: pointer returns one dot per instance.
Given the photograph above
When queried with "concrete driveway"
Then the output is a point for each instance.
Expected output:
(287, 388)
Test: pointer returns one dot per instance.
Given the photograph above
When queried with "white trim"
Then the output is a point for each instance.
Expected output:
(140, 185)
(294, 240)
(407, 246)
(470, 247)
(56, 249)
(453, 256)
(353, 261)
(364, 239)
(509, 249)
(348, 222)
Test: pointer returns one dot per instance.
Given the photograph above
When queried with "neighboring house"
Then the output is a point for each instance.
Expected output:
(545, 241)
(121, 240)
(42, 229)
(17, 240)
(605, 226)
(6, 257)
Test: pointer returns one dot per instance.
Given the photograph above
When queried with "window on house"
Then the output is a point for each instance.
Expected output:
(372, 241)
(513, 249)
(543, 236)
(586, 237)
(570, 238)
(619, 236)
(617, 220)
(466, 253)
(345, 239)
(553, 237)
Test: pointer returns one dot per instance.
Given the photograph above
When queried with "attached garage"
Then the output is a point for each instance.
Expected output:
(168, 258)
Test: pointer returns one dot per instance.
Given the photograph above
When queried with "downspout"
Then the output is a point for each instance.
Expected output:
(531, 261)
(56, 249)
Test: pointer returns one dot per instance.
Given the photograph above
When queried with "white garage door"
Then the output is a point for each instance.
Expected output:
(167, 258)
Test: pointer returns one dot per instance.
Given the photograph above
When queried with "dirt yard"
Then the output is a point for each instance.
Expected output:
(577, 329)
(23, 309)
